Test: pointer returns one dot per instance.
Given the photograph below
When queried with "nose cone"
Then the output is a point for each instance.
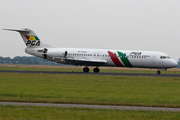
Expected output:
(173, 63)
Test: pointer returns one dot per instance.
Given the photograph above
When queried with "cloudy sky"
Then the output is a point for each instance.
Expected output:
(152, 25)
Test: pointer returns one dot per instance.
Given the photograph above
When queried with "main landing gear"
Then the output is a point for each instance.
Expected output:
(86, 70)
(96, 70)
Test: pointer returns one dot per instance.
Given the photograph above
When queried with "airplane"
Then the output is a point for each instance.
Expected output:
(95, 57)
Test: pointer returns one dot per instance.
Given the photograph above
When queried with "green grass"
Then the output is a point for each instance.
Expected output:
(91, 70)
(53, 113)
(89, 89)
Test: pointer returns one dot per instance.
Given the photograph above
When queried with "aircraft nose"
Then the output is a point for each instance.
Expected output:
(174, 63)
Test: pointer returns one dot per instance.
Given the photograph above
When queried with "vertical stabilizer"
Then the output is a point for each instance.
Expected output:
(29, 37)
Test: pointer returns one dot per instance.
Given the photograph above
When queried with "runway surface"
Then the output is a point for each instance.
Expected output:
(90, 73)
(91, 106)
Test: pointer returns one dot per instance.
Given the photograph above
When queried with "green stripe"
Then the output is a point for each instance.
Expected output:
(124, 59)
(36, 37)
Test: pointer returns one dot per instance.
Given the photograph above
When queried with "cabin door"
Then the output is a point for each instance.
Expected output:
(154, 59)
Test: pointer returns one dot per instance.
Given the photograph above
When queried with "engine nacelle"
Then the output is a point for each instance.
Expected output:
(55, 53)
(47, 53)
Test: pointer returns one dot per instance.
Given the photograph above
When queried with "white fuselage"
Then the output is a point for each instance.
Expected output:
(102, 57)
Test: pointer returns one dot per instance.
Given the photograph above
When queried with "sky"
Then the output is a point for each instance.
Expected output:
(147, 25)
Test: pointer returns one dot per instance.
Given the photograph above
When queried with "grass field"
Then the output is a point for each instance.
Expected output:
(79, 69)
(89, 89)
(52, 113)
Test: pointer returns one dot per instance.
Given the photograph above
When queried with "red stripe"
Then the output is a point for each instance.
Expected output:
(27, 37)
(115, 59)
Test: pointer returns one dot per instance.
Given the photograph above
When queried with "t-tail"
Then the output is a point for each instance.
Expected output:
(29, 37)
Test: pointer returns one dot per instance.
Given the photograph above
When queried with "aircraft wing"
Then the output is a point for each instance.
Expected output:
(81, 61)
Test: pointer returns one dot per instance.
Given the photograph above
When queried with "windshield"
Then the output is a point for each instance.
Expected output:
(164, 57)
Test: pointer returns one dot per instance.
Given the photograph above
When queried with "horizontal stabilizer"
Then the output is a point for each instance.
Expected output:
(19, 30)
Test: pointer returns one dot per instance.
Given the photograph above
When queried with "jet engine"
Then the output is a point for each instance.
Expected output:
(54, 53)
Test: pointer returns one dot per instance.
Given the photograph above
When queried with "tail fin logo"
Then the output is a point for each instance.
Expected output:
(32, 40)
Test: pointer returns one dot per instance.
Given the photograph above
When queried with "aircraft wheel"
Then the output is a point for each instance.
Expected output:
(86, 69)
(96, 70)
(158, 72)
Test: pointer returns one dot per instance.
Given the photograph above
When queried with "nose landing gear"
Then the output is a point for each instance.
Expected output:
(161, 69)
(158, 72)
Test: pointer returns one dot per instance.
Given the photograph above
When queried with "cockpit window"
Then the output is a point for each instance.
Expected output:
(165, 57)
